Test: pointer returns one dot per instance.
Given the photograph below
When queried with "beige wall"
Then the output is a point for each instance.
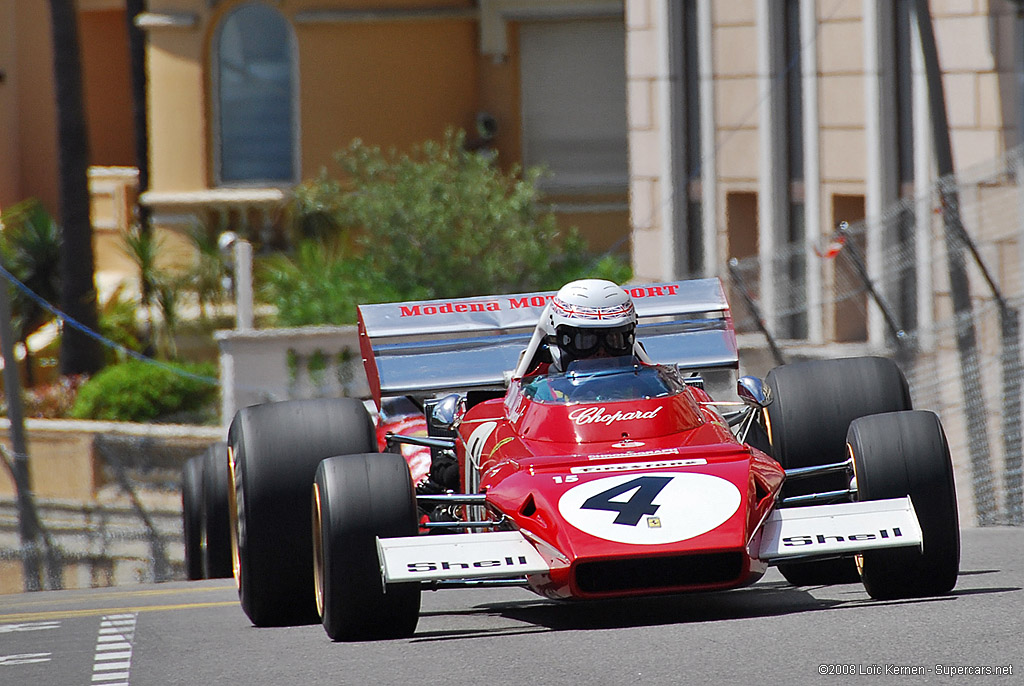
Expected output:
(433, 63)
(27, 94)
(106, 72)
(28, 147)
(9, 176)
(645, 83)
(175, 107)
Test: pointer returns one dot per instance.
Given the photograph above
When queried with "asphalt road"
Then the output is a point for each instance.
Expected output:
(195, 633)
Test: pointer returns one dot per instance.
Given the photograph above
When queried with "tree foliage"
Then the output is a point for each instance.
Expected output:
(30, 248)
(437, 222)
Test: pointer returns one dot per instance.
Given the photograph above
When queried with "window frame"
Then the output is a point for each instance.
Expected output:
(216, 139)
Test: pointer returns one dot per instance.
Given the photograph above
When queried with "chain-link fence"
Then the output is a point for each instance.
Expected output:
(936, 283)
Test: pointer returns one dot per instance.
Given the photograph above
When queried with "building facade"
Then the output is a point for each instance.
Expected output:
(757, 127)
(246, 98)
(683, 132)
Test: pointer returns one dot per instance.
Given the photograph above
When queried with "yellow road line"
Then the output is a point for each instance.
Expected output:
(69, 614)
(93, 595)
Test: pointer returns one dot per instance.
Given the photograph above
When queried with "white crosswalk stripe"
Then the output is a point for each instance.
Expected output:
(113, 657)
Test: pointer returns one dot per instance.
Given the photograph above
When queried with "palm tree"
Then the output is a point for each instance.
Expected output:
(30, 248)
(80, 354)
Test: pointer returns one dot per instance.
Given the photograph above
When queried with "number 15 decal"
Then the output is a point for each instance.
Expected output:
(650, 509)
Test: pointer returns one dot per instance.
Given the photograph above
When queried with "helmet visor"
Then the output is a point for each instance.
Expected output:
(585, 342)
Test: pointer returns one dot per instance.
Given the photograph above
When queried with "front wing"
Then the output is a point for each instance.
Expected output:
(843, 529)
(803, 533)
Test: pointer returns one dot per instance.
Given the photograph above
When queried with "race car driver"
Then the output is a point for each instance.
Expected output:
(586, 319)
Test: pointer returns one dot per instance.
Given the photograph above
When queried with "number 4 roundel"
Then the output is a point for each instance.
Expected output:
(650, 509)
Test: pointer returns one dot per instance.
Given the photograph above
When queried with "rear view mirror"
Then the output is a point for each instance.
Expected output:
(444, 412)
(752, 391)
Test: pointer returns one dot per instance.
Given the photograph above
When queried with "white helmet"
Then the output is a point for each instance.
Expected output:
(587, 317)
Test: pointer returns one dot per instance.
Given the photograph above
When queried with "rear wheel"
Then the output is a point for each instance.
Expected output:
(275, 450)
(812, 405)
(216, 522)
(357, 498)
(906, 453)
(192, 516)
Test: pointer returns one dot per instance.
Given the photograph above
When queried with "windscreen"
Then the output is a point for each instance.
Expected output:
(603, 380)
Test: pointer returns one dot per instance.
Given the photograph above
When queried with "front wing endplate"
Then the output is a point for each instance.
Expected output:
(843, 529)
(458, 556)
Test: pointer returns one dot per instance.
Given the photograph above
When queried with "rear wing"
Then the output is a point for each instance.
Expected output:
(427, 347)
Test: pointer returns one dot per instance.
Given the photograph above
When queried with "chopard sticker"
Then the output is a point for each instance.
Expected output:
(597, 415)
(597, 469)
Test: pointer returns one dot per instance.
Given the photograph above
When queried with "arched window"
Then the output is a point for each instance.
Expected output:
(254, 84)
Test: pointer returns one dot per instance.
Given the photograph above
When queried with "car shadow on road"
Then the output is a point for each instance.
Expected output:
(766, 599)
(679, 609)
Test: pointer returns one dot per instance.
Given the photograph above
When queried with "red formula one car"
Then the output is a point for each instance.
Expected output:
(615, 477)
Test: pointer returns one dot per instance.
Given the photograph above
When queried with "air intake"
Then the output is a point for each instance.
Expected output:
(658, 573)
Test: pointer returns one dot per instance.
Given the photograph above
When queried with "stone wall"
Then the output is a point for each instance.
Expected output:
(109, 498)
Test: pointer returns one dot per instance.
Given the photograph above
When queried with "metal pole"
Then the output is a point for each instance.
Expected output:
(754, 310)
(960, 290)
(850, 249)
(27, 529)
(243, 284)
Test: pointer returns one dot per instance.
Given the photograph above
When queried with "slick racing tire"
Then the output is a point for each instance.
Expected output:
(357, 498)
(906, 453)
(216, 522)
(192, 516)
(274, 452)
(812, 405)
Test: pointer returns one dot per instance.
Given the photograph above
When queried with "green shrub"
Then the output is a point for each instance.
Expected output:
(319, 284)
(136, 391)
(439, 222)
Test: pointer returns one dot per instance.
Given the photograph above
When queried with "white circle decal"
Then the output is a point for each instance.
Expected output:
(475, 444)
(652, 508)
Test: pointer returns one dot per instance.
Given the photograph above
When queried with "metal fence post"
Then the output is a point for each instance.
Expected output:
(27, 523)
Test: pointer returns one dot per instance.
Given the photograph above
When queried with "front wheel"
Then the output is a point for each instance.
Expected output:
(813, 403)
(356, 499)
(899, 454)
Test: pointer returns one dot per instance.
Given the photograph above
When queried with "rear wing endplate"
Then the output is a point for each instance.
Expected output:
(428, 347)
